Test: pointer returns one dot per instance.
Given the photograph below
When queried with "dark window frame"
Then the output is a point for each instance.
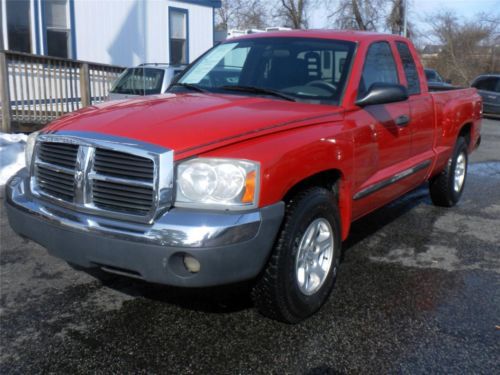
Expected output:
(186, 13)
(70, 30)
(9, 35)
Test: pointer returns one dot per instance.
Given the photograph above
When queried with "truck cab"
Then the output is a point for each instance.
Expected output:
(251, 167)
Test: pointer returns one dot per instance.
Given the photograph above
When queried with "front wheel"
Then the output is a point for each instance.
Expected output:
(447, 187)
(303, 265)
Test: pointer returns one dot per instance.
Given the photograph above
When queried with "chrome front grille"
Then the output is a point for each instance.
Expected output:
(120, 197)
(55, 171)
(121, 180)
(59, 154)
(109, 195)
(120, 164)
(56, 182)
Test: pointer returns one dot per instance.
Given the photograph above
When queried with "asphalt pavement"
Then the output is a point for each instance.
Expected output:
(418, 292)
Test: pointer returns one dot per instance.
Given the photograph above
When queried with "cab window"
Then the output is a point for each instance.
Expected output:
(409, 67)
(379, 67)
(487, 84)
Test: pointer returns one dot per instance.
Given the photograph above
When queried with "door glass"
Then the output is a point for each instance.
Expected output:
(497, 89)
(486, 84)
(379, 67)
(139, 81)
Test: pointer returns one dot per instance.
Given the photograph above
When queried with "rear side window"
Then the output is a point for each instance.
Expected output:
(379, 67)
(409, 67)
(486, 84)
(139, 81)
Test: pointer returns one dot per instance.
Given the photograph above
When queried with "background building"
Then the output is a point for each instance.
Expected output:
(117, 32)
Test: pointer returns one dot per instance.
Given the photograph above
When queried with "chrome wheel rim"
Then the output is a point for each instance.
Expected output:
(460, 172)
(314, 256)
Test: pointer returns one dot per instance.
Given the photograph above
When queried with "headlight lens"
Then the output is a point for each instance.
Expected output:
(217, 183)
(30, 145)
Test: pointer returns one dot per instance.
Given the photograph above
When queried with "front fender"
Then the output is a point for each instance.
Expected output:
(289, 157)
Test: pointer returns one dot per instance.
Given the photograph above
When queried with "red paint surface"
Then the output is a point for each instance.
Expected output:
(293, 141)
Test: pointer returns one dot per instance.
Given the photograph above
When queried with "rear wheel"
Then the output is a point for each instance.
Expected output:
(304, 262)
(447, 187)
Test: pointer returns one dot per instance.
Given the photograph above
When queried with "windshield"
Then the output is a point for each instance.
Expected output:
(305, 69)
(139, 81)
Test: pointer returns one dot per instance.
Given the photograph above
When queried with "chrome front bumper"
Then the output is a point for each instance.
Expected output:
(230, 246)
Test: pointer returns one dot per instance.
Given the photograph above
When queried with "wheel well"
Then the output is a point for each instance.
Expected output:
(466, 133)
(327, 179)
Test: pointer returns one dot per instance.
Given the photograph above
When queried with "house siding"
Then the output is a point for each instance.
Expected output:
(126, 32)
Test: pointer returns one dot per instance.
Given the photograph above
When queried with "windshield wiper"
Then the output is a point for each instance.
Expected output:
(259, 90)
(189, 86)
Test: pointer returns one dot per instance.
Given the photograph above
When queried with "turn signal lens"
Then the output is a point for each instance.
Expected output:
(249, 195)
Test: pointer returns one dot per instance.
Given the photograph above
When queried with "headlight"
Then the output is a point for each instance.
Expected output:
(30, 145)
(217, 183)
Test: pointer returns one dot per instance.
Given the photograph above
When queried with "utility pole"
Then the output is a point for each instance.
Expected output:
(405, 10)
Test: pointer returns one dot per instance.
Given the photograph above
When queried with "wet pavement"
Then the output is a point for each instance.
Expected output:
(418, 292)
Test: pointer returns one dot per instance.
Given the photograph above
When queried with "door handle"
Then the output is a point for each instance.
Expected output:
(403, 120)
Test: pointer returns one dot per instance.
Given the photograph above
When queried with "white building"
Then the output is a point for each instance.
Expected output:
(117, 32)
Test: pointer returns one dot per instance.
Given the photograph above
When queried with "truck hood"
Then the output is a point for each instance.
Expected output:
(193, 123)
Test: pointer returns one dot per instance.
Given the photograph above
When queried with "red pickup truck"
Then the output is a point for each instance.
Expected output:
(252, 167)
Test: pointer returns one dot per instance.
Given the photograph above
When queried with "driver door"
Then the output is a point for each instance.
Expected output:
(382, 136)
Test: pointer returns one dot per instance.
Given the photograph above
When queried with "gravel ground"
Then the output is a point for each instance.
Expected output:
(418, 292)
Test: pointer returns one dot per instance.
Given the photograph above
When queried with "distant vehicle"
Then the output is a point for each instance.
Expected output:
(488, 86)
(277, 28)
(434, 79)
(145, 79)
(233, 33)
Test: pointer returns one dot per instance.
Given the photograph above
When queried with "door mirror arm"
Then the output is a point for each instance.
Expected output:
(382, 93)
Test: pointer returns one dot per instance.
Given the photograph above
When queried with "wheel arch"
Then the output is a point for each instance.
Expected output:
(333, 180)
(466, 132)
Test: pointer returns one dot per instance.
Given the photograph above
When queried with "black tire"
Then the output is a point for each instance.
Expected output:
(442, 186)
(277, 293)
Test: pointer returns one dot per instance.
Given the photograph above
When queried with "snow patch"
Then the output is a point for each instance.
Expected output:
(11, 155)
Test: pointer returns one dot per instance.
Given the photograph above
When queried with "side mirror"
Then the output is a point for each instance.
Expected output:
(382, 93)
(448, 81)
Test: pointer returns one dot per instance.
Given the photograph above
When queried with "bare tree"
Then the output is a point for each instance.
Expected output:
(242, 14)
(224, 16)
(468, 48)
(359, 14)
(293, 13)
(395, 19)
(256, 15)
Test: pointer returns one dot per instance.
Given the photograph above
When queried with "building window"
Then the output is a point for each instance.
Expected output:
(18, 25)
(57, 30)
(178, 20)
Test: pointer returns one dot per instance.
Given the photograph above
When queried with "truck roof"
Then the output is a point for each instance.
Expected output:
(348, 35)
